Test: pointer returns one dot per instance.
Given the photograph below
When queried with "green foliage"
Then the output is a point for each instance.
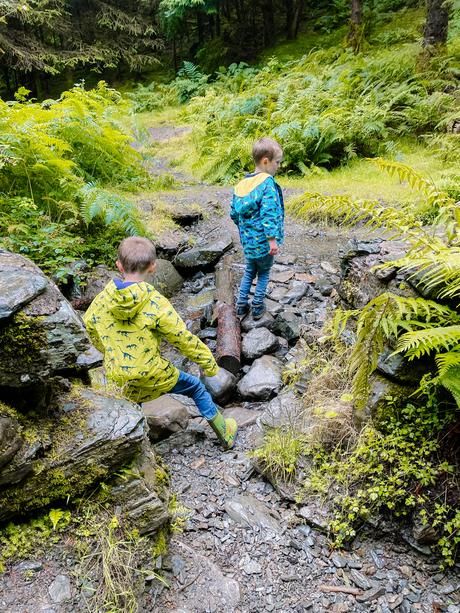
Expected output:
(280, 453)
(60, 165)
(393, 469)
(32, 537)
(326, 108)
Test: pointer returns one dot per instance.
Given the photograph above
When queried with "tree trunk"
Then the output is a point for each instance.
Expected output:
(355, 33)
(437, 21)
(293, 9)
(269, 23)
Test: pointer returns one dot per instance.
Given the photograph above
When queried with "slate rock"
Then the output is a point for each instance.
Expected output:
(20, 282)
(283, 410)
(221, 386)
(103, 433)
(295, 293)
(165, 415)
(44, 338)
(166, 278)
(244, 417)
(141, 495)
(60, 590)
(258, 342)
(266, 321)
(250, 512)
(287, 325)
(262, 380)
(202, 257)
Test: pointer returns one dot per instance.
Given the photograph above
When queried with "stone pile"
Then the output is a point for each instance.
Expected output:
(57, 438)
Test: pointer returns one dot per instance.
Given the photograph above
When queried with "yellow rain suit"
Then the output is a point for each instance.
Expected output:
(127, 325)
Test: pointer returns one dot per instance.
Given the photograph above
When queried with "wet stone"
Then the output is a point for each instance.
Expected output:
(338, 560)
(258, 342)
(262, 380)
(250, 512)
(360, 580)
(266, 321)
(221, 386)
(370, 595)
(59, 590)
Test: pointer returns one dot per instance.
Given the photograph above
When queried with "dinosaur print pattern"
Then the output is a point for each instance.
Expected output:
(128, 325)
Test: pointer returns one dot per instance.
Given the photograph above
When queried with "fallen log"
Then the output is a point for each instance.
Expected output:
(228, 352)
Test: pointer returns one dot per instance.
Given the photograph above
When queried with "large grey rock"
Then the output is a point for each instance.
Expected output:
(45, 337)
(266, 321)
(284, 410)
(95, 282)
(287, 325)
(250, 512)
(66, 453)
(20, 282)
(170, 242)
(295, 293)
(210, 589)
(143, 493)
(258, 342)
(262, 380)
(222, 386)
(166, 279)
(59, 590)
(165, 415)
(203, 256)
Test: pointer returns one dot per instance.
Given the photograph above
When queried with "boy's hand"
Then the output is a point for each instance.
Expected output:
(273, 246)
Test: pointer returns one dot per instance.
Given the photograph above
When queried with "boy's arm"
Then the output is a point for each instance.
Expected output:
(90, 320)
(269, 210)
(172, 327)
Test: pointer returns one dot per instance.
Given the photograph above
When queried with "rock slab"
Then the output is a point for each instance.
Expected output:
(262, 380)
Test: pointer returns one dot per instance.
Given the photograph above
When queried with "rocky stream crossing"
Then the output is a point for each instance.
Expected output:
(244, 547)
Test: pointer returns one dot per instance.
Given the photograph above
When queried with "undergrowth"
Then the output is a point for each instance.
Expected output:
(68, 171)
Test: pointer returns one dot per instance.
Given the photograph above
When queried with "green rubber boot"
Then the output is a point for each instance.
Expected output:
(225, 429)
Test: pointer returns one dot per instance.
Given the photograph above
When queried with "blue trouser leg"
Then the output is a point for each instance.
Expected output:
(249, 275)
(264, 266)
(190, 386)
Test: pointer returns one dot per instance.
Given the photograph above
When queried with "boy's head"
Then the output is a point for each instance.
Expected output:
(136, 255)
(267, 155)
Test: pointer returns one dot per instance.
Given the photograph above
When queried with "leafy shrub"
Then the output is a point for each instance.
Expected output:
(59, 164)
(190, 82)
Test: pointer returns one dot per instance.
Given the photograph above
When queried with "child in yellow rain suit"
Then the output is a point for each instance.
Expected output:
(127, 322)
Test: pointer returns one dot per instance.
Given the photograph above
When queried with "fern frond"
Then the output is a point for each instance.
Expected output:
(451, 381)
(444, 361)
(423, 342)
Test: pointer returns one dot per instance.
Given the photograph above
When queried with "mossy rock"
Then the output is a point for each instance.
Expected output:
(62, 456)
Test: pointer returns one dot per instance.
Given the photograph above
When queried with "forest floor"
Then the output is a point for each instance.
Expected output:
(243, 548)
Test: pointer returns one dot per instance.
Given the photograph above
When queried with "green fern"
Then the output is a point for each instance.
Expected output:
(111, 209)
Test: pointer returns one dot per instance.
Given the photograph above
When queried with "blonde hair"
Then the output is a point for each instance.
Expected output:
(136, 253)
(265, 147)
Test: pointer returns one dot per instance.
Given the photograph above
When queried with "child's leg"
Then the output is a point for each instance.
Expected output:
(263, 266)
(248, 277)
(190, 386)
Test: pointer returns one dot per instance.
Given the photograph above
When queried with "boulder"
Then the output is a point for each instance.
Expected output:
(295, 293)
(250, 512)
(222, 386)
(20, 282)
(397, 367)
(41, 337)
(266, 321)
(143, 494)
(166, 279)
(169, 243)
(165, 415)
(202, 257)
(381, 390)
(262, 380)
(258, 342)
(284, 410)
(65, 454)
(81, 298)
(287, 325)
